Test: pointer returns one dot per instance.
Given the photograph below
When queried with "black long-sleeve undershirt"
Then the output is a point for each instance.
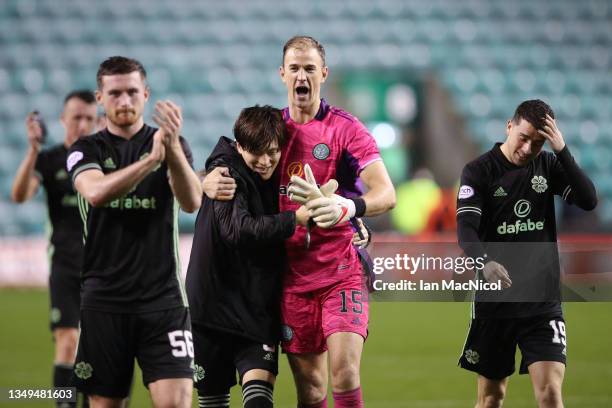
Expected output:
(583, 190)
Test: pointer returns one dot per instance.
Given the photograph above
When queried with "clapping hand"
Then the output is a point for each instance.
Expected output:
(169, 117)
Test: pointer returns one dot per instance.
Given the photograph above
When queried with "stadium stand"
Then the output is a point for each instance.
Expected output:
(216, 57)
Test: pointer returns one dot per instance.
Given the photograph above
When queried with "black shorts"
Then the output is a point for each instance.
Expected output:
(219, 355)
(491, 344)
(109, 342)
(65, 296)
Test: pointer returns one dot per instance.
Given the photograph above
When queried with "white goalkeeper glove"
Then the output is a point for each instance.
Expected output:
(330, 211)
(301, 191)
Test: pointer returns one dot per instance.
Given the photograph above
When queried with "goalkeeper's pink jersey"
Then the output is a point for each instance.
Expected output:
(335, 145)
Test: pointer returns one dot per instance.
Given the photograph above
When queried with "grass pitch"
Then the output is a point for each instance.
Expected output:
(410, 358)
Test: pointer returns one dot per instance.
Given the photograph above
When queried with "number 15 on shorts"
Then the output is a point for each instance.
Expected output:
(181, 342)
(355, 299)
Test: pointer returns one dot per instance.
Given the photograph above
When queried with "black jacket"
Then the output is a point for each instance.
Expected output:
(234, 277)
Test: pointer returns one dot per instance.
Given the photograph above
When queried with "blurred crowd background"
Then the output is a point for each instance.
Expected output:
(434, 80)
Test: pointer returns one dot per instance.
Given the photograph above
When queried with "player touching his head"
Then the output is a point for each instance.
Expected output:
(48, 167)
(506, 215)
(131, 179)
(324, 303)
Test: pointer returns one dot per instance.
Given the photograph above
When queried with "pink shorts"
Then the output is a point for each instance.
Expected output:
(309, 318)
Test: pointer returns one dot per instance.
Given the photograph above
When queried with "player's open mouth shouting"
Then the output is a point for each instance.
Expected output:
(302, 92)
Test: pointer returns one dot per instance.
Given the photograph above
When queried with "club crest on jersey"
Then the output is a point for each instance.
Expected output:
(539, 184)
(295, 169)
(465, 192)
(321, 151)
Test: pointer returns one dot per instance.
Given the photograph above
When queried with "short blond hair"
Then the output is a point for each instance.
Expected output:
(302, 42)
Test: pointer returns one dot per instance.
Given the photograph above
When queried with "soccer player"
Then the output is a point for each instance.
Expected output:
(324, 303)
(48, 167)
(506, 214)
(235, 272)
(131, 179)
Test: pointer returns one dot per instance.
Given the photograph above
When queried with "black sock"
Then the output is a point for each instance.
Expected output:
(217, 400)
(257, 394)
(62, 373)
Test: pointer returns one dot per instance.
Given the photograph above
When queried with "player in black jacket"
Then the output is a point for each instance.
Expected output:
(234, 275)
(131, 179)
(506, 214)
(48, 168)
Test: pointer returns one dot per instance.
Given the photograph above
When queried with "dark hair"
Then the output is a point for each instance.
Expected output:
(84, 95)
(258, 126)
(304, 42)
(117, 66)
(533, 111)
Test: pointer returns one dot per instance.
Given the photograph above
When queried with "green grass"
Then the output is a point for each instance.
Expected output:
(409, 360)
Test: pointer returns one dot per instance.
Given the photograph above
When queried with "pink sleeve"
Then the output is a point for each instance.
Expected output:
(361, 147)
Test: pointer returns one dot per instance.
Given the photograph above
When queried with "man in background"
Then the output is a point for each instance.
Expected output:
(48, 167)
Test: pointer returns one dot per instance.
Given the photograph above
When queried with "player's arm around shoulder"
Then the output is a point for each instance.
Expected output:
(99, 188)
(380, 197)
(240, 227)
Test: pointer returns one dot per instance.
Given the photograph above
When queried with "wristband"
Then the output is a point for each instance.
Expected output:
(360, 206)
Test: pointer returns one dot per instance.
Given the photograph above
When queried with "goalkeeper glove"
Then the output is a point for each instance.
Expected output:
(329, 211)
(301, 191)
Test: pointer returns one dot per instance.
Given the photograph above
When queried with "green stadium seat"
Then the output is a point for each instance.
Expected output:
(490, 55)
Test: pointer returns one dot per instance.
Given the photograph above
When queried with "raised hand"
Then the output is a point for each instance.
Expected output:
(301, 191)
(34, 131)
(158, 150)
(327, 208)
(169, 117)
(552, 133)
(332, 210)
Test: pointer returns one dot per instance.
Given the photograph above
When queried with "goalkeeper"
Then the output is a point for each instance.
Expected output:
(324, 302)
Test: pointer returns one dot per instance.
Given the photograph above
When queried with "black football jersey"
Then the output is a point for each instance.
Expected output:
(517, 229)
(131, 261)
(66, 229)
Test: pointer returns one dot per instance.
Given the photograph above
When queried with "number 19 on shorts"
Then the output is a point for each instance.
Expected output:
(559, 336)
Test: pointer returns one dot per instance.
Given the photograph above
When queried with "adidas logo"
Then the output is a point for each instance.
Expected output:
(109, 163)
(500, 192)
